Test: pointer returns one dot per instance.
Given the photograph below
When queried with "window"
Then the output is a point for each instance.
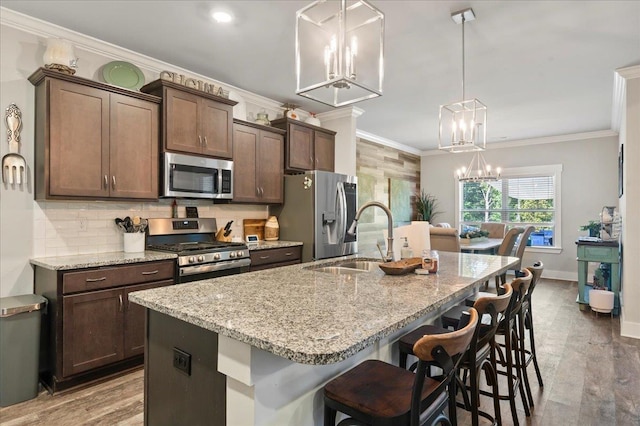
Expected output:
(523, 196)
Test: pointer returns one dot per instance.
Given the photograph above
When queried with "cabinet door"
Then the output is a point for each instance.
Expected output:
(324, 151)
(245, 141)
(92, 330)
(134, 319)
(270, 165)
(216, 121)
(181, 126)
(133, 148)
(78, 140)
(300, 148)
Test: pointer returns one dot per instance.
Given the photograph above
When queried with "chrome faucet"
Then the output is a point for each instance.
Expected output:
(352, 229)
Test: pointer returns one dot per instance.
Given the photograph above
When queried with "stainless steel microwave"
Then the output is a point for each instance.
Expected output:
(190, 176)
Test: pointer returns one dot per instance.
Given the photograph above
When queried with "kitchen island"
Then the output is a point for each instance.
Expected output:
(274, 337)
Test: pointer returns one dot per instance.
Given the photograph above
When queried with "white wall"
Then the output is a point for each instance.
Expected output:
(35, 229)
(589, 182)
(630, 205)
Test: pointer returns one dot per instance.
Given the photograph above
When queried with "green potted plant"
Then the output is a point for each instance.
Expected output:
(593, 227)
(426, 205)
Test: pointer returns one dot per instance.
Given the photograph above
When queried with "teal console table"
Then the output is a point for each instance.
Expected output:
(603, 252)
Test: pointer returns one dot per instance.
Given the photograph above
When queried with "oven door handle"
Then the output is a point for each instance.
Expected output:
(212, 267)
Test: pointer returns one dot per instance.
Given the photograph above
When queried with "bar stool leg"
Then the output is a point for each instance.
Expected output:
(523, 358)
(532, 341)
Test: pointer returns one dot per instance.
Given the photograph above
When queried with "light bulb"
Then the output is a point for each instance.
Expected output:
(354, 45)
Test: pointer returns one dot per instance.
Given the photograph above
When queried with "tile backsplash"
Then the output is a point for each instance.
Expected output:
(65, 228)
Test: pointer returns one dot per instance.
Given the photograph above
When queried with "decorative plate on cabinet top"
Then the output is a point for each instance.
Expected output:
(123, 74)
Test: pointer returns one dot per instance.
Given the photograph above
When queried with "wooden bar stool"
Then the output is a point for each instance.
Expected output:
(510, 352)
(526, 323)
(480, 356)
(377, 393)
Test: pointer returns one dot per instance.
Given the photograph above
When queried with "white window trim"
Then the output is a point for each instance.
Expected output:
(531, 171)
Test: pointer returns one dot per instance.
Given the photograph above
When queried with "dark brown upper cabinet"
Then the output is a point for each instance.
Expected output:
(307, 147)
(93, 140)
(258, 163)
(193, 121)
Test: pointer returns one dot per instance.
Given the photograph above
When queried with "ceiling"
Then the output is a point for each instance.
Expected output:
(543, 68)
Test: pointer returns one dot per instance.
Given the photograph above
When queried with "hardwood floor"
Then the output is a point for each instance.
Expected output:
(591, 377)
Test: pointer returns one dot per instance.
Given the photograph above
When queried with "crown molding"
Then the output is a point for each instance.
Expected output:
(598, 134)
(387, 142)
(347, 112)
(46, 30)
(620, 77)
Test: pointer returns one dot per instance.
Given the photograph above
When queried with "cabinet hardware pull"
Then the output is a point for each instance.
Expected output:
(261, 191)
(106, 181)
(264, 257)
(113, 181)
(257, 191)
(205, 141)
(120, 297)
(93, 280)
(149, 272)
(288, 254)
(200, 140)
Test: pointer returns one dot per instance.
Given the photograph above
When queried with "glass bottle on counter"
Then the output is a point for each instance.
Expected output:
(430, 261)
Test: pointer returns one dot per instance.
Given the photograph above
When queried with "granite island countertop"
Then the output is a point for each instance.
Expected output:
(313, 317)
(94, 260)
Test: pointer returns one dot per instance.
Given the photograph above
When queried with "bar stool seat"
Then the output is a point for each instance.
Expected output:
(375, 392)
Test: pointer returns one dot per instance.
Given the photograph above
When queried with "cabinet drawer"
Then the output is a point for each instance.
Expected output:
(598, 254)
(285, 254)
(95, 279)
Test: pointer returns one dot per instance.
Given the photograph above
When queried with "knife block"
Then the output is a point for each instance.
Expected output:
(220, 236)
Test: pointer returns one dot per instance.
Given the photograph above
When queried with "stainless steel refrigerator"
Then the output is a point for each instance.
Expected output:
(318, 209)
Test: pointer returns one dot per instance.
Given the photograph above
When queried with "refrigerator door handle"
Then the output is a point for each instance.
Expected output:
(342, 212)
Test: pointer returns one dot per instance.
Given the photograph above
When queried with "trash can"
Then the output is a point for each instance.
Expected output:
(20, 318)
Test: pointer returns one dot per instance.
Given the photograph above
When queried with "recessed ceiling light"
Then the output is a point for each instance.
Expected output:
(222, 17)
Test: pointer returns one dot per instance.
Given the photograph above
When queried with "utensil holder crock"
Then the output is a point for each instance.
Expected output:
(133, 242)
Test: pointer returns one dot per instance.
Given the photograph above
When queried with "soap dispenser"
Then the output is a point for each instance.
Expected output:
(406, 251)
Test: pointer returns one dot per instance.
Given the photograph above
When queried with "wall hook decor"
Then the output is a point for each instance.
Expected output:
(13, 164)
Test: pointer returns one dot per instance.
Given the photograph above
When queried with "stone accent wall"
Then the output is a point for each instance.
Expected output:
(391, 177)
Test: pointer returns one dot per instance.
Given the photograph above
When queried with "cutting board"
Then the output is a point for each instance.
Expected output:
(254, 227)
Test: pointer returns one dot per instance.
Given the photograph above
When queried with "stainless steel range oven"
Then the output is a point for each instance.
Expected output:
(200, 256)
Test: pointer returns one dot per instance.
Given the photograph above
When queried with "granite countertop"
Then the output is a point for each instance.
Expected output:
(314, 317)
(79, 261)
(266, 245)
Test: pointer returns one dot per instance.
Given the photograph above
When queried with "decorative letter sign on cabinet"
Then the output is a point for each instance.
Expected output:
(194, 121)
(258, 160)
(93, 140)
(308, 147)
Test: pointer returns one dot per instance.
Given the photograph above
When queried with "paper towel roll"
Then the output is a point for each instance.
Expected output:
(417, 235)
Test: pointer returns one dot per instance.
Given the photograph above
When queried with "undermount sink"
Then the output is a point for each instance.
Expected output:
(348, 267)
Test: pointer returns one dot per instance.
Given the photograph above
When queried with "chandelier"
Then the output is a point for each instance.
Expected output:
(339, 51)
(463, 124)
(478, 170)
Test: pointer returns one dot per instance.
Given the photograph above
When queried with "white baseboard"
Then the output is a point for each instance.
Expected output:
(557, 275)
(628, 328)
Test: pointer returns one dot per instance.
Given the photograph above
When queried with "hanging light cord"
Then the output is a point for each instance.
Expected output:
(463, 97)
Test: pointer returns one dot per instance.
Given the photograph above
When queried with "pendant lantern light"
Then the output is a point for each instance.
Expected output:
(339, 51)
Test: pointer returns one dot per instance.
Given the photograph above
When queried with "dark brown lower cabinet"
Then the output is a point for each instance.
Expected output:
(91, 330)
(273, 258)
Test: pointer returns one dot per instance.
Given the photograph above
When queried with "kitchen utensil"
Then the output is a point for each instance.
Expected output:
(227, 228)
(14, 165)
(120, 224)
